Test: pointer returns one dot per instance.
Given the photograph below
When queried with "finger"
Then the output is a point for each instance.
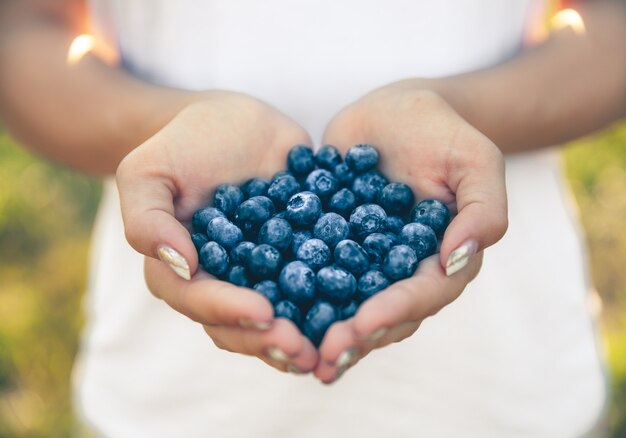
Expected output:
(147, 204)
(282, 346)
(207, 300)
(479, 185)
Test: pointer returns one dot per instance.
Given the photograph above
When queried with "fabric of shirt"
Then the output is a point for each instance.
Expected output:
(515, 356)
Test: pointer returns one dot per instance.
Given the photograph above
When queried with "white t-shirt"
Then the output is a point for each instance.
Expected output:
(515, 356)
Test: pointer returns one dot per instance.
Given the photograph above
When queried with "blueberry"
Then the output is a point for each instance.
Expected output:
(331, 228)
(345, 175)
(297, 283)
(280, 215)
(199, 240)
(396, 198)
(371, 283)
(281, 173)
(393, 237)
(287, 309)
(239, 253)
(367, 187)
(432, 213)
(202, 217)
(420, 238)
(224, 232)
(255, 187)
(342, 202)
(303, 209)
(214, 258)
(401, 262)
(276, 232)
(269, 289)
(252, 213)
(335, 284)
(300, 160)
(327, 157)
(318, 319)
(348, 310)
(281, 189)
(227, 198)
(394, 224)
(367, 219)
(351, 256)
(299, 237)
(315, 253)
(362, 158)
(377, 245)
(264, 262)
(322, 183)
(237, 275)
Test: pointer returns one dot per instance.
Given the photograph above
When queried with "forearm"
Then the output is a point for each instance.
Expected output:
(88, 115)
(570, 86)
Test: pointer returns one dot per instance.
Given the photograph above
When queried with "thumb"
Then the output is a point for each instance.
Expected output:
(482, 219)
(147, 204)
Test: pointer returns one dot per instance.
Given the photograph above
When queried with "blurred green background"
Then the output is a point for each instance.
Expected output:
(46, 213)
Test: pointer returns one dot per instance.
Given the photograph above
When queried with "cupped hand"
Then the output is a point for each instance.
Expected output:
(424, 143)
(223, 137)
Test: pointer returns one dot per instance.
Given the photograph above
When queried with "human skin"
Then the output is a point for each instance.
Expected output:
(542, 97)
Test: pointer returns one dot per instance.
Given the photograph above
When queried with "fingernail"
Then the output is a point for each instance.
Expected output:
(248, 323)
(277, 354)
(346, 357)
(174, 260)
(460, 257)
(375, 335)
(293, 369)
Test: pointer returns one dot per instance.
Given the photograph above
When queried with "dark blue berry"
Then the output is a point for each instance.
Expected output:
(322, 183)
(199, 240)
(367, 219)
(303, 209)
(287, 309)
(299, 237)
(342, 202)
(300, 160)
(367, 187)
(349, 310)
(394, 224)
(214, 258)
(315, 253)
(224, 232)
(252, 213)
(393, 237)
(269, 289)
(281, 173)
(237, 275)
(345, 176)
(276, 232)
(371, 283)
(420, 238)
(240, 253)
(433, 214)
(362, 158)
(281, 189)
(396, 198)
(227, 198)
(327, 157)
(335, 284)
(318, 319)
(264, 262)
(297, 283)
(255, 187)
(202, 217)
(352, 257)
(377, 245)
(401, 262)
(331, 228)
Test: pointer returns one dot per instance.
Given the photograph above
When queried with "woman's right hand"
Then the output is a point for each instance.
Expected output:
(222, 138)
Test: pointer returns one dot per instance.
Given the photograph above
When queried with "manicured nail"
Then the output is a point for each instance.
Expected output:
(293, 369)
(174, 260)
(375, 335)
(460, 257)
(346, 357)
(248, 323)
(277, 354)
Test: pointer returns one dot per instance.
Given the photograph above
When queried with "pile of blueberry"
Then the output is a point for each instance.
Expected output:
(321, 237)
